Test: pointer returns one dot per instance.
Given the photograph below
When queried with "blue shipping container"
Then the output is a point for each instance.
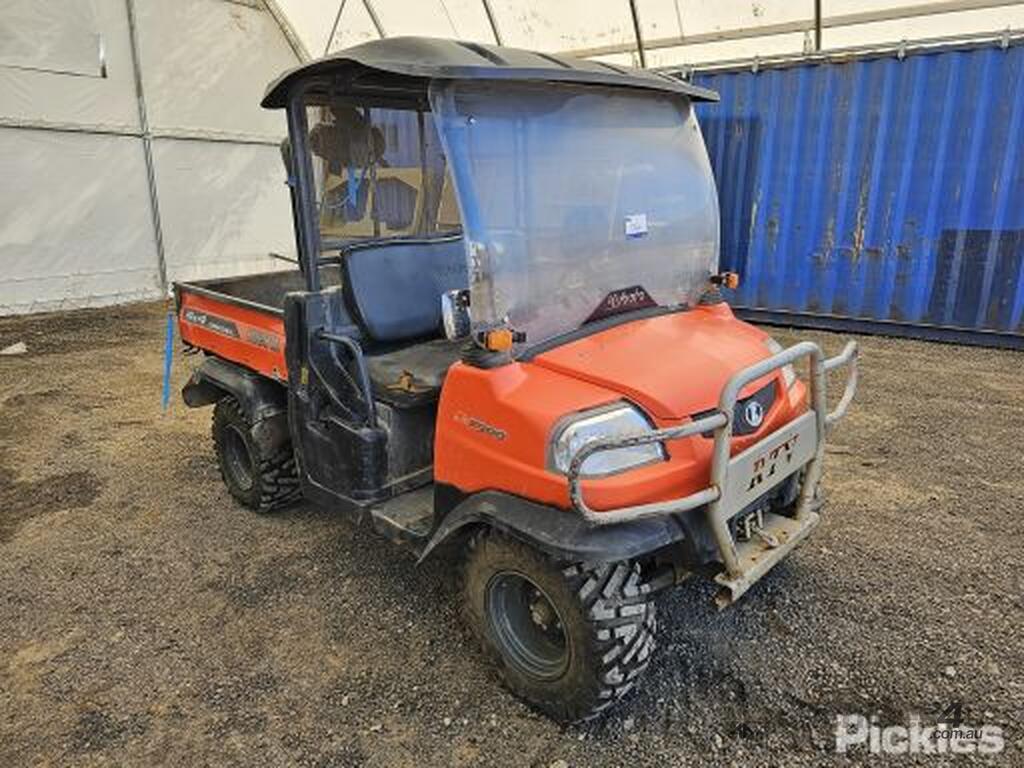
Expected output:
(877, 193)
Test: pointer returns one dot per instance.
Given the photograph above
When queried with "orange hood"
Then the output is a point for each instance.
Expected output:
(672, 365)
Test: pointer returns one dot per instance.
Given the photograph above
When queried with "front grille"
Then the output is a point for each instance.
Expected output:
(764, 397)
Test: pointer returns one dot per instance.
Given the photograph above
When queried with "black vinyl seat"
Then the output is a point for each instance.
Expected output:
(414, 373)
(393, 289)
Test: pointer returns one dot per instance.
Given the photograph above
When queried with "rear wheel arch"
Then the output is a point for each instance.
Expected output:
(264, 402)
(257, 395)
(261, 476)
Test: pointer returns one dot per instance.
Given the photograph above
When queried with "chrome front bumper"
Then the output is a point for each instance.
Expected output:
(737, 481)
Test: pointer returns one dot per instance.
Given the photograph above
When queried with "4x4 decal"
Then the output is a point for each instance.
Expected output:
(213, 322)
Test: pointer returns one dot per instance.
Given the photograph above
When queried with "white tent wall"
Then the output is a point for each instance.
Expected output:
(45, 93)
(224, 208)
(75, 221)
(75, 218)
(222, 196)
(99, 206)
(206, 63)
(77, 225)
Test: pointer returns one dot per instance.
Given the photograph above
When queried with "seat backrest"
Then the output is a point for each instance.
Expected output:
(395, 286)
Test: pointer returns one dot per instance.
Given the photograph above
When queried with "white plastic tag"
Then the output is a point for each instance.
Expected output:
(636, 225)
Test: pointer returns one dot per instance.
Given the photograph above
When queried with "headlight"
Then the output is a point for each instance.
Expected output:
(788, 374)
(620, 421)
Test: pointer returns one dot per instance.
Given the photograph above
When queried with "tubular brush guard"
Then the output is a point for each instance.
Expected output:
(736, 481)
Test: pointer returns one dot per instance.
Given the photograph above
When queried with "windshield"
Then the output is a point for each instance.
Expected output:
(577, 201)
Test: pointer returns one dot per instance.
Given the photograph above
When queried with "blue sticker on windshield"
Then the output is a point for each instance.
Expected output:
(636, 225)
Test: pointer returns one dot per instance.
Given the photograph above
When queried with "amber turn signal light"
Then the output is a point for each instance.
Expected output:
(499, 340)
(726, 279)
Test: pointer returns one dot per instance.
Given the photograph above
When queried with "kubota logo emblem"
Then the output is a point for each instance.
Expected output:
(753, 412)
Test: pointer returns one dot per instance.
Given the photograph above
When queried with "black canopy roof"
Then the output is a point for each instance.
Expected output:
(412, 61)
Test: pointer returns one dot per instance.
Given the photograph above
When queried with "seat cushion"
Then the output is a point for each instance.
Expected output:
(395, 286)
(412, 373)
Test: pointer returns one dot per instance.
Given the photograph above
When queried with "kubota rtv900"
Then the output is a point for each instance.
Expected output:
(506, 335)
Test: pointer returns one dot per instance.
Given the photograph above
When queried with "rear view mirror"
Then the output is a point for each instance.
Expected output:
(455, 313)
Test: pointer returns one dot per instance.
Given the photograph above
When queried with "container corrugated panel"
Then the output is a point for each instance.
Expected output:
(878, 193)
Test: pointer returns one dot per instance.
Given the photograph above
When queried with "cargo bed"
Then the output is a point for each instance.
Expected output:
(242, 318)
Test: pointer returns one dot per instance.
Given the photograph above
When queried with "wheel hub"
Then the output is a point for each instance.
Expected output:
(237, 460)
(526, 626)
(541, 611)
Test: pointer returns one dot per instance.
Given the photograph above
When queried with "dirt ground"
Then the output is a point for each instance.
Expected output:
(146, 619)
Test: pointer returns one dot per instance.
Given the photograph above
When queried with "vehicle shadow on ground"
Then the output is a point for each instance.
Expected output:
(699, 663)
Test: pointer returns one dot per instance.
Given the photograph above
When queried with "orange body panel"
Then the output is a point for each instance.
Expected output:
(494, 427)
(246, 336)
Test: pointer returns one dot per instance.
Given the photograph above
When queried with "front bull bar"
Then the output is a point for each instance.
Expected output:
(722, 500)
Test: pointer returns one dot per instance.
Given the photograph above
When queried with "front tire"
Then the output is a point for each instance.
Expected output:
(569, 640)
(260, 480)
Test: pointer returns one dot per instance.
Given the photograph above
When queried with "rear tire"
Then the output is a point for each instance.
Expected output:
(592, 634)
(259, 481)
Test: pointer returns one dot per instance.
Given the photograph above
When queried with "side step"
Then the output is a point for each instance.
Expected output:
(406, 518)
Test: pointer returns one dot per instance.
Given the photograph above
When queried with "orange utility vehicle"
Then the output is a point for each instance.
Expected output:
(506, 335)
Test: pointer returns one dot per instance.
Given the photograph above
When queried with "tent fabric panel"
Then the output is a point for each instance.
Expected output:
(223, 207)
(75, 221)
(44, 93)
(205, 64)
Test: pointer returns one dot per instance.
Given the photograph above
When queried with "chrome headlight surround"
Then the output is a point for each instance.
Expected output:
(788, 372)
(618, 420)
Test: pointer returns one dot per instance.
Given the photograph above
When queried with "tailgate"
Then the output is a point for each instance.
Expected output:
(234, 329)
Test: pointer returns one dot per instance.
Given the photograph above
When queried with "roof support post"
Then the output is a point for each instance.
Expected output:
(301, 185)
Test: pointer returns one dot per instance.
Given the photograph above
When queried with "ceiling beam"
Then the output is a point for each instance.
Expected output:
(894, 13)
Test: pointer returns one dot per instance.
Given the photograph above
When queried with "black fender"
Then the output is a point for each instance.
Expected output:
(559, 533)
(263, 401)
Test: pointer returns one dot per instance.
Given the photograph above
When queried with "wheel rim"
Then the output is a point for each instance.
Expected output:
(237, 459)
(526, 625)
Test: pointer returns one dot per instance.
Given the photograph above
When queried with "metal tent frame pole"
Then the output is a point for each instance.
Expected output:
(147, 146)
(368, 4)
(334, 27)
(817, 25)
(489, 11)
(296, 44)
(639, 35)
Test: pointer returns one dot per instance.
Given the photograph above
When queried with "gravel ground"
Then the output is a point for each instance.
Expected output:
(145, 619)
